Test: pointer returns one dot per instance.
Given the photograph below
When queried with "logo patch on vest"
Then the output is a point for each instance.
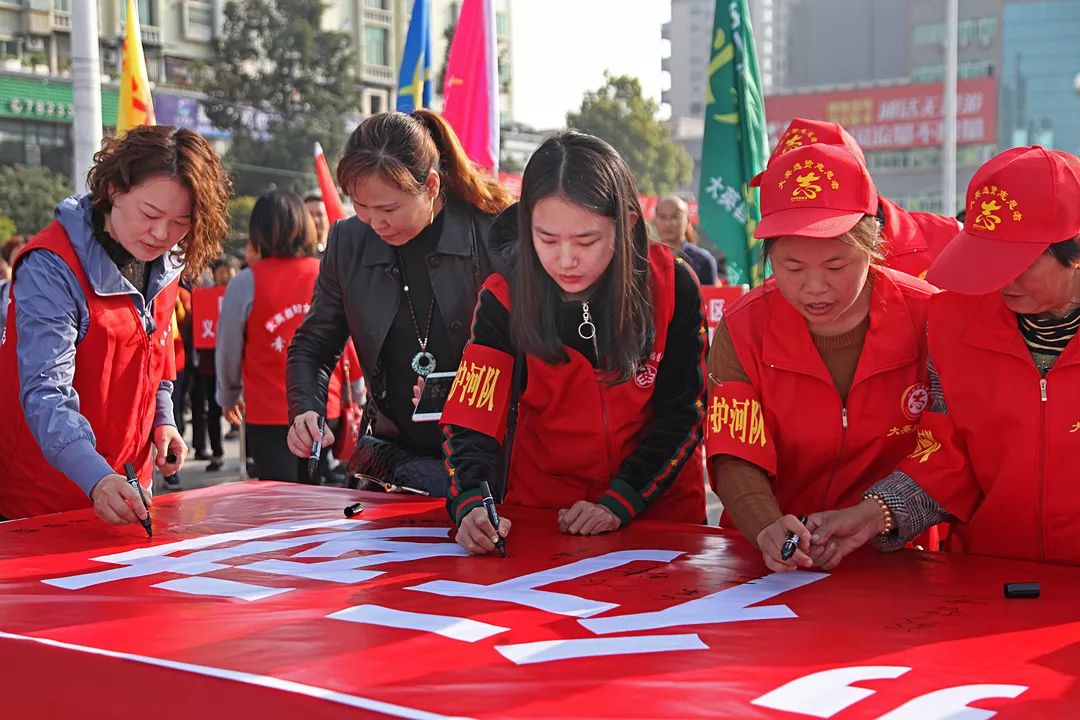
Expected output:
(925, 446)
(646, 374)
(914, 400)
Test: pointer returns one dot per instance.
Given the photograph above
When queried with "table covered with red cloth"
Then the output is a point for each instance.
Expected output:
(261, 600)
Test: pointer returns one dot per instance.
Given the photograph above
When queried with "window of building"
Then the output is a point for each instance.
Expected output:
(9, 48)
(377, 4)
(928, 34)
(376, 46)
(62, 5)
(147, 16)
(502, 24)
(376, 103)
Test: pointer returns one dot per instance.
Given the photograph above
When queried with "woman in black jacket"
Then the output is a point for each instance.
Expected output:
(401, 278)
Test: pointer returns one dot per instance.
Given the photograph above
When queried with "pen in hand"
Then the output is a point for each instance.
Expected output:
(133, 481)
(791, 542)
(493, 516)
(316, 449)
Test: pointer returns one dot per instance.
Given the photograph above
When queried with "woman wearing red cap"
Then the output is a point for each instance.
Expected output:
(819, 374)
(997, 447)
(910, 240)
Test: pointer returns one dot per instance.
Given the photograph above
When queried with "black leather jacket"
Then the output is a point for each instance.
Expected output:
(358, 293)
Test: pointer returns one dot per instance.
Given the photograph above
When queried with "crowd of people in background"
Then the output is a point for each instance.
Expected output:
(842, 402)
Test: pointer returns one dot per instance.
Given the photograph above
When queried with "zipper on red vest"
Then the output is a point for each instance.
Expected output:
(829, 500)
(603, 410)
(1040, 518)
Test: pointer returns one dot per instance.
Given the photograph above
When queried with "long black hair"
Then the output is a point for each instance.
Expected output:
(587, 172)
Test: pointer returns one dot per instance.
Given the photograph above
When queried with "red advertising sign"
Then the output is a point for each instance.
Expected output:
(891, 118)
(205, 310)
(260, 600)
(716, 298)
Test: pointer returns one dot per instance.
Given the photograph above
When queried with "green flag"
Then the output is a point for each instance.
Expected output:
(735, 144)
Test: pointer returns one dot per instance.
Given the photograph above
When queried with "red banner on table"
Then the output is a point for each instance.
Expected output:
(205, 310)
(260, 600)
(894, 117)
(717, 298)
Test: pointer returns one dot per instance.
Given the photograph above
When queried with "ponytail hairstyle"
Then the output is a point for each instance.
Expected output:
(402, 149)
(588, 172)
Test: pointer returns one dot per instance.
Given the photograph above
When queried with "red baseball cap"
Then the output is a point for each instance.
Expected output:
(815, 191)
(803, 131)
(1019, 203)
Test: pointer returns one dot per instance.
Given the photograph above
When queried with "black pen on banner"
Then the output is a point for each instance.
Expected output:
(791, 542)
(354, 509)
(493, 516)
(133, 481)
(316, 449)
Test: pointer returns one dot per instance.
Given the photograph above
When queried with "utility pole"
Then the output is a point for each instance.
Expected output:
(948, 149)
(86, 83)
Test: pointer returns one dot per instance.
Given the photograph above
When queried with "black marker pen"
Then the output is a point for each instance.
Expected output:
(791, 542)
(133, 481)
(316, 450)
(493, 516)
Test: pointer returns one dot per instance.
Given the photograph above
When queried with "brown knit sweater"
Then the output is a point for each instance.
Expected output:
(742, 486)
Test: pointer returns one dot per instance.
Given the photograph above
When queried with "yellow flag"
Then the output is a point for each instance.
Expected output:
(136, 106)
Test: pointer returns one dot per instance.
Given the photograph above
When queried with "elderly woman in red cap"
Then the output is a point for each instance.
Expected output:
(819, 375)
(996, 450)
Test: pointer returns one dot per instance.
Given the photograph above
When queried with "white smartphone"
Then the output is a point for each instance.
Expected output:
(433, 397)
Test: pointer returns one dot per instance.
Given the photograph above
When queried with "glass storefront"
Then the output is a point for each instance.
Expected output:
(36, 121)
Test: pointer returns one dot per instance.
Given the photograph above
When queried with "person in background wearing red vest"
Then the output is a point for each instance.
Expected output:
(87, 359)
(673, 226)
(820, 373)
(205, 412)
(184, 356)
(909, 240)
(262, 307)
(996, 450)
(608, 333)
(401, 279)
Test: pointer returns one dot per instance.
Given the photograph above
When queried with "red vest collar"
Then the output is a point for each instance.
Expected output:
(890, 342)
(901, 234)
(993, 326)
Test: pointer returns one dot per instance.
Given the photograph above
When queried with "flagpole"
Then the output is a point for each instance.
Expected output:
(948, 150)
(86, 84)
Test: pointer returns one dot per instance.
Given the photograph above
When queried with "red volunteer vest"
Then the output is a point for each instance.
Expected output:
(1004, 458)
(789, 420)
(283, 290)
(914, 239)
(117, 372)
(574, 432)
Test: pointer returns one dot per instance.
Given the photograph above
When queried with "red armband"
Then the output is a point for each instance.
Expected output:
(735, 425)
(480, 394)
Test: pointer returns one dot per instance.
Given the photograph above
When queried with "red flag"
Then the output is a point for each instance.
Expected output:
(471, 94)
(334, 209)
